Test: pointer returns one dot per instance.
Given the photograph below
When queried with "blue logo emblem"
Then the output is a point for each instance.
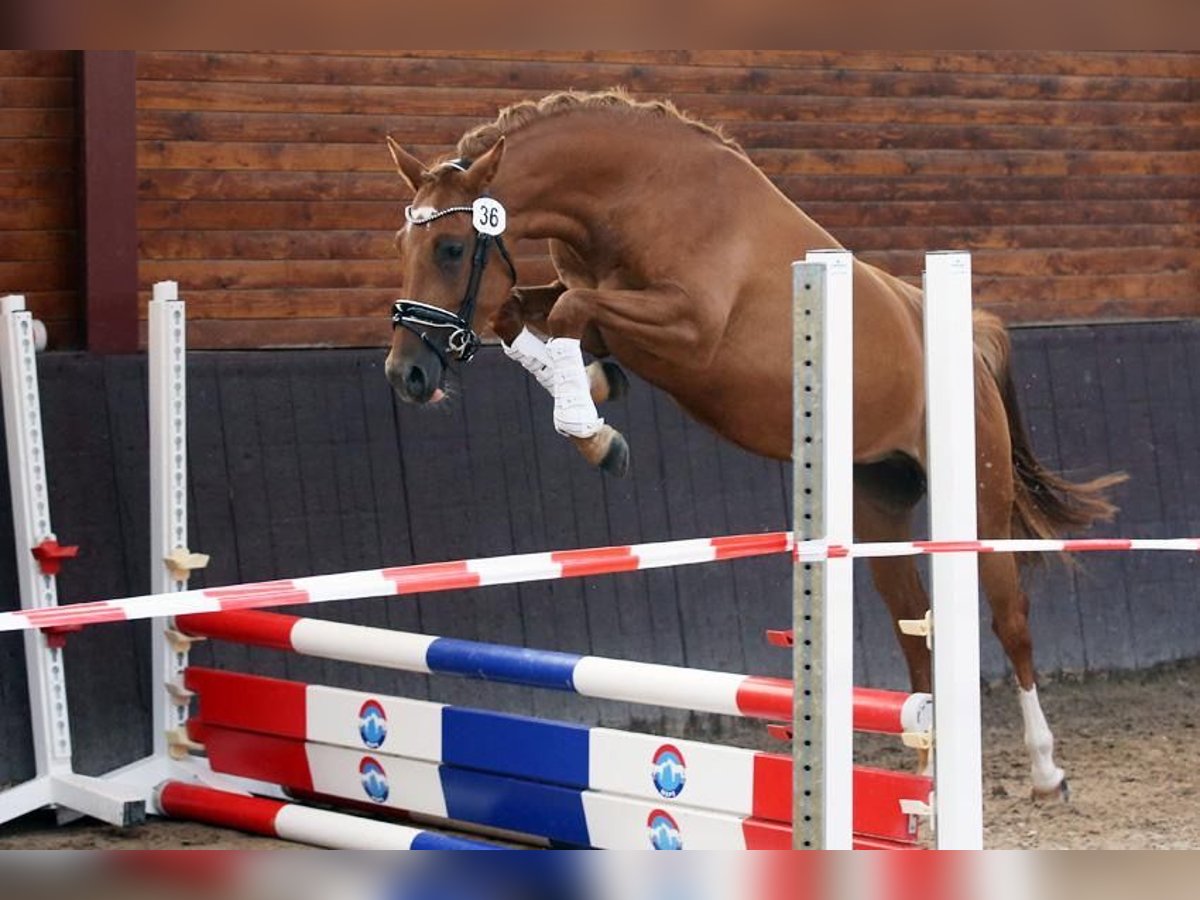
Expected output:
(664, 831)
(374, 779)
(669, 771)
(372, 724)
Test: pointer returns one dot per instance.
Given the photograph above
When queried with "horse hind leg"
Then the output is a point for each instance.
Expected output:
(1010, 623)
(896, 579)
(1001, 582)
(608, 380)
(899, 583)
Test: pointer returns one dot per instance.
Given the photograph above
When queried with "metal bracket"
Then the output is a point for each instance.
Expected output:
(916, 807)
(56, 635)
(180, 746)
(918, 628)
(781, 637)
(180, 642)
(179, 693)
(918, 740)
(918, 811)
(780, 731)
(181, 562)
(50, 555)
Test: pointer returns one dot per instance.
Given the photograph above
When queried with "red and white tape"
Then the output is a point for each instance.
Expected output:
(815, 551)
(463, 574)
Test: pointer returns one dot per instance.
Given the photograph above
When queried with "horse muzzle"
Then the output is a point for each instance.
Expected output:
(415, 381)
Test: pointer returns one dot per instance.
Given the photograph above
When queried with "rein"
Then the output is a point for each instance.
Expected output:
(462, 342)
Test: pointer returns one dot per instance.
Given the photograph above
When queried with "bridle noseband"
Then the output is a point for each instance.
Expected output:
(462, 342)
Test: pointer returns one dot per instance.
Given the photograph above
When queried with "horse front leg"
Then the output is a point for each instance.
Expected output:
(520, 344)
(666, 320)
(575, 415)
(524, 314)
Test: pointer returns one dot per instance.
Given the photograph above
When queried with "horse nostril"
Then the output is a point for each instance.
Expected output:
(415, 382)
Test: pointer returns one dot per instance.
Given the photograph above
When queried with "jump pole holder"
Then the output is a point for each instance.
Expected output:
(38, 557)
(823, 609)
(824, 592)
(954, 578)
(171, 562)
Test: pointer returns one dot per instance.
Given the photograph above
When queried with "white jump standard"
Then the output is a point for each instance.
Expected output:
(38, 557)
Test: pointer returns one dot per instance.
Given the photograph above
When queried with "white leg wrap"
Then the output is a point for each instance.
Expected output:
(574, 412)
(1039, 741)
(531, 352)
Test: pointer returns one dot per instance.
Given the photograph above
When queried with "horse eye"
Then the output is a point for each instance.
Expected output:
(448, 251)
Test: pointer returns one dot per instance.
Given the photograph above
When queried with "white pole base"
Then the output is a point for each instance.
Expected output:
(110, 802)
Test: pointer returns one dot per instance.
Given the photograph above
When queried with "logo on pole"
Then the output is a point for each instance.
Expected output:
(372, 724)
(669, 771)
(663, 831)
(374, 779)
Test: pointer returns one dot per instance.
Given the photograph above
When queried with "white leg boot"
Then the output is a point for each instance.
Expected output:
(531, 352)
(574, 411)
(1048, 778)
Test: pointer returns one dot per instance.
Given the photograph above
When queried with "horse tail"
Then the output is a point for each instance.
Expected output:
(1045, 504)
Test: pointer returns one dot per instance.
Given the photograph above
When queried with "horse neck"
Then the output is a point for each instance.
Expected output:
(564, 178)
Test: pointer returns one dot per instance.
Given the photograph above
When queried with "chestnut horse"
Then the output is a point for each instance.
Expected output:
(673, 254)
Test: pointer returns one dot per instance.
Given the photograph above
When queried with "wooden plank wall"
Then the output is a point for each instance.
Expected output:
(266, 191)
(38, 229)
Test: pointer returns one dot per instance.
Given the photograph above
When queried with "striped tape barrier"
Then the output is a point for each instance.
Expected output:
(464, 574)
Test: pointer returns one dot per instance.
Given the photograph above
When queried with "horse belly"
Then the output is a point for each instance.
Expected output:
(889, 364)
(747, 398)
(889, 403)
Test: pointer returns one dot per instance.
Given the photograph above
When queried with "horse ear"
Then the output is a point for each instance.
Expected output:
(407, 165)
(483, 170)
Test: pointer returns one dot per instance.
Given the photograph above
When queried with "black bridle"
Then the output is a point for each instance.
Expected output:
(462, 341)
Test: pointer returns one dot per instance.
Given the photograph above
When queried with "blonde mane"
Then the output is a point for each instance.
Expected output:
(478, 140)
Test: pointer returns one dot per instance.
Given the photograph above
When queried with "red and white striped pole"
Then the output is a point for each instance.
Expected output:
(293, 822)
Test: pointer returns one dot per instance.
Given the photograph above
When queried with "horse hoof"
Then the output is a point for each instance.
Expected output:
(616, 459)
(1061, 791)
(618, 381)
(606, 449)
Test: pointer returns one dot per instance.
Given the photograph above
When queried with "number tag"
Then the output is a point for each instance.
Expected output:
(488, 216)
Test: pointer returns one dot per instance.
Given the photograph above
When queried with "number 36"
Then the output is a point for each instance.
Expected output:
(488, 216)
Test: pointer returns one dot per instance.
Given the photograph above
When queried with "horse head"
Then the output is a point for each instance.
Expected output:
(452, 229)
